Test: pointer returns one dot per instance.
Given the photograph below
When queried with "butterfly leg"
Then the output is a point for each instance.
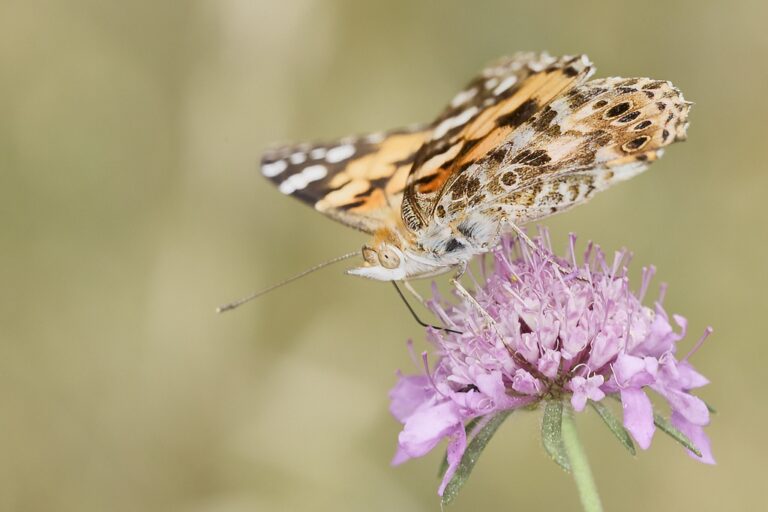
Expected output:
(469, 298)
(412, 290)
(416, 317)
(523, 236)
(530, 243)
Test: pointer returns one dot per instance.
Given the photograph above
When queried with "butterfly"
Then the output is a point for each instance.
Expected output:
(529, 137)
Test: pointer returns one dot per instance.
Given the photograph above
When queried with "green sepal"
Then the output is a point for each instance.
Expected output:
(471, 454)
(667, 427)
(551, 433)
(614, 425)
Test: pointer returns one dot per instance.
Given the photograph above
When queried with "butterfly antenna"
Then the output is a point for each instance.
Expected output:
(256, 295)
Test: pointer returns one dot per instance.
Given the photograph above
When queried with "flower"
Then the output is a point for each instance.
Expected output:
(561, 330)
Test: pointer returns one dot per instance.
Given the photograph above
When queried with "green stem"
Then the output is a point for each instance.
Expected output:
(590, 500)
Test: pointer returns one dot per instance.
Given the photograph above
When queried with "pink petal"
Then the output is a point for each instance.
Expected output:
(549, 363)
(627, 367)
(692, 408)
(690, 378)
(662, 337)
(574, 342)
(427, 426)
(586, 388)
(400, 457)
(632, 371)
(697, 436)
(528, 347)
(579, 401)
(409, 394)
(595, 394)
(455, 452)
(604, 348)
(523, 382)
(593, 388)
(491, 385)
(638, 416)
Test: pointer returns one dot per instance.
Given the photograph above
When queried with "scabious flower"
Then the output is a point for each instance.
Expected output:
(561, 330)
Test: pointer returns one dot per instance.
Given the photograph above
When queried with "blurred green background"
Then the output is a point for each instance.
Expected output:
(131, 206)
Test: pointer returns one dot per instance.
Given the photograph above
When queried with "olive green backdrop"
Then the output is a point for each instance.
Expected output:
(131, 205)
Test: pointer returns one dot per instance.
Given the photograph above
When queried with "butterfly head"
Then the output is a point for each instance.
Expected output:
(384, 258)
(392, 255)
(384, 263)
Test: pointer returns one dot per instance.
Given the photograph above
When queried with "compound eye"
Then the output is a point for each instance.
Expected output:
(369, 255)
(389, 258)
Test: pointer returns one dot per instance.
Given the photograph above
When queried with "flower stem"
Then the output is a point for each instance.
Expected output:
(590, 500)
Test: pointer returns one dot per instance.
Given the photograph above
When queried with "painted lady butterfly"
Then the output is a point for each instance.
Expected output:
(527, 138)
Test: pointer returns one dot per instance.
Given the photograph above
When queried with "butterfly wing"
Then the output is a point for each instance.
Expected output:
(482, 117)
(358, 181)
(598, 134)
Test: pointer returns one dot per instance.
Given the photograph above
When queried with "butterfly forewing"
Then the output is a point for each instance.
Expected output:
(358, 181)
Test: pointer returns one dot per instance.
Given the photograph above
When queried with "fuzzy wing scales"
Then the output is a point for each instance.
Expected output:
(357, 181)
(481, 117)
(598, 134)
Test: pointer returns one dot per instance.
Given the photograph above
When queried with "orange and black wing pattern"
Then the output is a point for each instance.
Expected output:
(481, 118)
(357, 181)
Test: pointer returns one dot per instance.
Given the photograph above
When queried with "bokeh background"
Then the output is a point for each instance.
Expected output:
(131, 205)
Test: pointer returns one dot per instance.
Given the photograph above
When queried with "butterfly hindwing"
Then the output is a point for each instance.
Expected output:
(356, 180)
(480, 118)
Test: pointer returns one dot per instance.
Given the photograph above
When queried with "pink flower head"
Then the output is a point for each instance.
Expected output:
(562, 329)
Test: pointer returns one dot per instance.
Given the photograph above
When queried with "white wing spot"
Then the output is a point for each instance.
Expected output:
(301, 180)
(491, 83)
(505, 84)
(298, 158)
(271, 170)
(463, 97)
(340, 153)
(318, 153)
(452, 122)
(375, 138)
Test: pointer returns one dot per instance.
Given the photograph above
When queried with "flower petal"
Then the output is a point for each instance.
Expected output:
(697, 436)
(491, 385)
(409, 394)
(400, 457)
(690, 378)
(585, 388)
(638, 416)
(692, 408)
(662, 337)
(523, 382)
(427, 426)
(455, 452)
(632, 371)
(579, 401)
(549, 363)
(604, 348)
